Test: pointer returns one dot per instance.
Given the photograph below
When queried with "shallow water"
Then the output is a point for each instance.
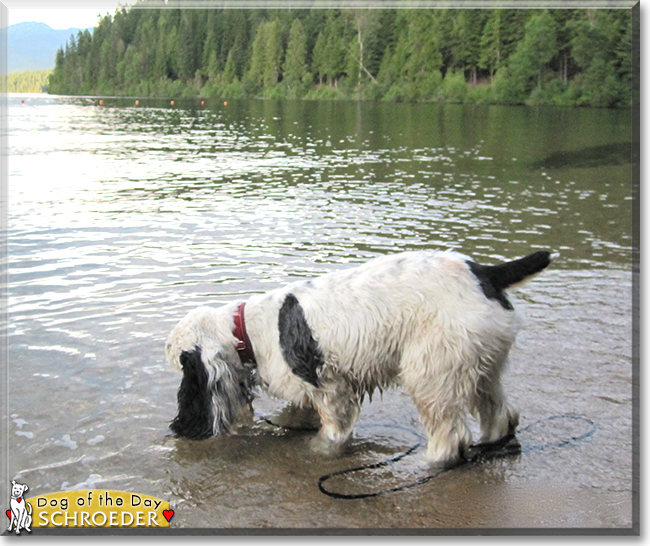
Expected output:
(122, 218)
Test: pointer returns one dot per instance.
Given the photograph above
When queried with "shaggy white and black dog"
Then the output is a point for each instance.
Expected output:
(436, 323)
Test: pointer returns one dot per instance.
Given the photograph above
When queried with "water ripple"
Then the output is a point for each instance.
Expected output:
(121, 219)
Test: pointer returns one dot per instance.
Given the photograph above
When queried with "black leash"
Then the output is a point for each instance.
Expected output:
(562, 443)
(478, 453)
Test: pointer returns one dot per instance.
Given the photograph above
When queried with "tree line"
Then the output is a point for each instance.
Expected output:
(28, 82)
(579, 57)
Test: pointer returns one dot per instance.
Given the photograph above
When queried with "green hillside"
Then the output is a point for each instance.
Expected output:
(28, 82)
(509, 56)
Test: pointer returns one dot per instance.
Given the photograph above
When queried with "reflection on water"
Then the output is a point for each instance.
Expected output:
(596, 156)
(123, 218)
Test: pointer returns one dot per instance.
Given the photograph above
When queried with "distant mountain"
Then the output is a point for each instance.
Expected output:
(33, 46)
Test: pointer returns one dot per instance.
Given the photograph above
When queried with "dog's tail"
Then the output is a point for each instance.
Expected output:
(516, 272)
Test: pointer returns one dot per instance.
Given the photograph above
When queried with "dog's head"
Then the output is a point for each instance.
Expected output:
(17, 489)
(216, 384)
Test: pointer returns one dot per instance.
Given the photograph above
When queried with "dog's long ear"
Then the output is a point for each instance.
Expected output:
(195, 418)
(231, 392)
(211, 394)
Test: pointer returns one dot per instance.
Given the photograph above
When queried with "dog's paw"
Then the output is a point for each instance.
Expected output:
(444, 462)
(324, 446)
(445, 456)
(501, 428)
(513, 422)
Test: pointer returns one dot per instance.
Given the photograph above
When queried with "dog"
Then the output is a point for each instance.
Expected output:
(436, 323)
(21, 511)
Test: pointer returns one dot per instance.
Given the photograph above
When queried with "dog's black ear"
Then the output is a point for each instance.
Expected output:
(300, 349)
(194, 419)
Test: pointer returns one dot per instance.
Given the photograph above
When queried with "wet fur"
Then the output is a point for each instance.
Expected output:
(435, 323)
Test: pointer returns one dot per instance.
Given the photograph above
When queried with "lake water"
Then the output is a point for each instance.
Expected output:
(123, 217)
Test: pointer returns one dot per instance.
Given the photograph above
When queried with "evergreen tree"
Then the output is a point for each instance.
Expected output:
(527, 64)
(187, 51)
(565, 32)
(600, 49)
(230, 70)
(295, 64)
(147, 40)
(210, 59)
(255, 73)
(273, 54)
(466, 33)
(172, 48)
(235, 39)
(318, 58)
(55, 83)
(491, 44)
(414, 70)
(574, 56)
(330, 49)
(129, 67)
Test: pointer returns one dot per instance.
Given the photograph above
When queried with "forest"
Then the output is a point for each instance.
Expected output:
(28, 82)
(569, 57)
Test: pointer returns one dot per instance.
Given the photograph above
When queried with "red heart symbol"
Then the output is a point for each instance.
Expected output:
(19, 499)
(169, 514)
(9, 514)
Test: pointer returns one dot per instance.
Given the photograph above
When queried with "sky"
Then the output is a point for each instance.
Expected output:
(65, 16)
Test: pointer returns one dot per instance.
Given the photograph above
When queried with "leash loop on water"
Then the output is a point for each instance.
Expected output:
(476, 454)
(479, 453)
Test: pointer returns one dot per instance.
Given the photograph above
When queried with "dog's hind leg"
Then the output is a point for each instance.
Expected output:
(27, 524)
(448, 433)
(496, 417)
(441, 395)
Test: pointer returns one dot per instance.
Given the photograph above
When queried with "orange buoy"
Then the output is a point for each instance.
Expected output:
(101, 101)
(137, 102)
(172, 103)
(225, 103)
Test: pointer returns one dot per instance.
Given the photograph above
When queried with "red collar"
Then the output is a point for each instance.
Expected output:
(243, 346)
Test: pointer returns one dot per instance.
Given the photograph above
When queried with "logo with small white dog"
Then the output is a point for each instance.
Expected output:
(20, 513)
(86, 508)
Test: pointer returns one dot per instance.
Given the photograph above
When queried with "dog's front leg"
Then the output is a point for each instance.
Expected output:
(338, 411)
(25, 520)
(13, 523)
